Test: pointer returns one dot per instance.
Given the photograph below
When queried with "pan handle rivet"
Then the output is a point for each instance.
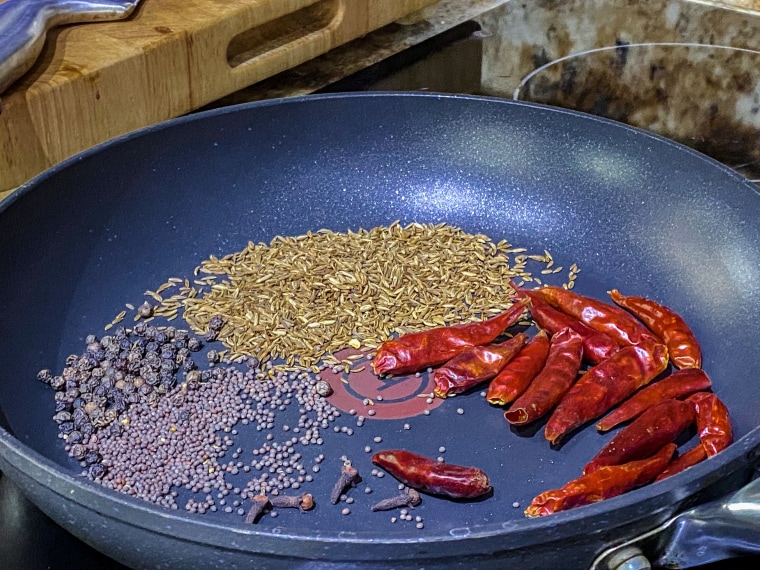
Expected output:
(629, 558)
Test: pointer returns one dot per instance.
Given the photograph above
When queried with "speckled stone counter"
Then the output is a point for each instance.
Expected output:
(689, 70)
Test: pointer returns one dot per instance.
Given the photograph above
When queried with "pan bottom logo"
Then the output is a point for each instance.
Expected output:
(390, 398)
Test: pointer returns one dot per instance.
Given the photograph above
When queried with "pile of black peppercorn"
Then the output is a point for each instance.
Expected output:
(95, 389)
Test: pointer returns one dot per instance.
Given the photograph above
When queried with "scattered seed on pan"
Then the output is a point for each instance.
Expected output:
(274, 297)
(151, 421)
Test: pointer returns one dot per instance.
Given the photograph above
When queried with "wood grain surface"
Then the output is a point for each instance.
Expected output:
(97, 81)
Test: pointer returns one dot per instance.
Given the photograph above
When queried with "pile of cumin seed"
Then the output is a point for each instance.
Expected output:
(301, 299)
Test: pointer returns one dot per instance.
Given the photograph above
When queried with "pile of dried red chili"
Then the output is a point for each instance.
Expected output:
(627, 345)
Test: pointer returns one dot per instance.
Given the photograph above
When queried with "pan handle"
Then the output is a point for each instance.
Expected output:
(24, 25)
(718, 530)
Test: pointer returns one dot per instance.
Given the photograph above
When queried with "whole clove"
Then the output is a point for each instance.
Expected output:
(303, 502)
(260, 503)
(409, 498)
(349, 476)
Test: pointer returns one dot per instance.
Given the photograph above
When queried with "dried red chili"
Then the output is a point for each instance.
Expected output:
(430, 476)
(669, 327)
(417, 351)
(517, 375)
(554, 380)
(713, 422)
(676, 386)
(597, 346)
(604, 386)
(615, 322)
(602, 484)
(695, 455)
(659, 425)
(475, 365)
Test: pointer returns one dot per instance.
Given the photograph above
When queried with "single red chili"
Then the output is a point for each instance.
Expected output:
(597, 346)
(676, 386)
(602, 484)
(417, 351)
(713, 422)
(474, 365)
(430, 476)
(517, 375)
(659, 425)
(669, 327)
(615, 322)
(695, 455)
(604, 386)
(553, 382)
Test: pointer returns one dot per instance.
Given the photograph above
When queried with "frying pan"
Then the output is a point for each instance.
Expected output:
(634, 211)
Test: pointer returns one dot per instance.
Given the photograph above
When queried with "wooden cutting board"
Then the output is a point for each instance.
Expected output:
(99, 80)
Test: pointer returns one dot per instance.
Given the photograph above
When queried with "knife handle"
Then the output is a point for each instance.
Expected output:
(24, 25)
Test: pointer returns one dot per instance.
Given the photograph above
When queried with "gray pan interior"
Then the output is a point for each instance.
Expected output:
(633, 210)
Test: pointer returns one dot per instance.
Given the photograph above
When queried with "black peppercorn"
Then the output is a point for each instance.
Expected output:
(45, 376)
(66, 428)
(78, 451)
(194, 344)
(86, 429)
(74, 437)
(216, 323)
(62, 417)
(57, 382)
(91, 457)
(96, 471)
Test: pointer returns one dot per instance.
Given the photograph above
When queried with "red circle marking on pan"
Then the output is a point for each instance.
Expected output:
(402, 396)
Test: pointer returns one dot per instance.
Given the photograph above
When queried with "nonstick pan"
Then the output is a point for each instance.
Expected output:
(634, 211)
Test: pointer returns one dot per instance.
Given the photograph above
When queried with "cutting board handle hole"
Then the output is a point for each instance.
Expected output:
(264, 38)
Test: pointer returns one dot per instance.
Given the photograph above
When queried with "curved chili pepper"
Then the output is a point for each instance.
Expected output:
(517, 375)
(430, 476)
(602, 484)
(657, 426)
(554, 380)
(676, 386)
(474, 365)
(669, 327)
(597, 346)
(713, 422)
(416, 351)
(615, 322)
(604, 386)
(695, 455)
